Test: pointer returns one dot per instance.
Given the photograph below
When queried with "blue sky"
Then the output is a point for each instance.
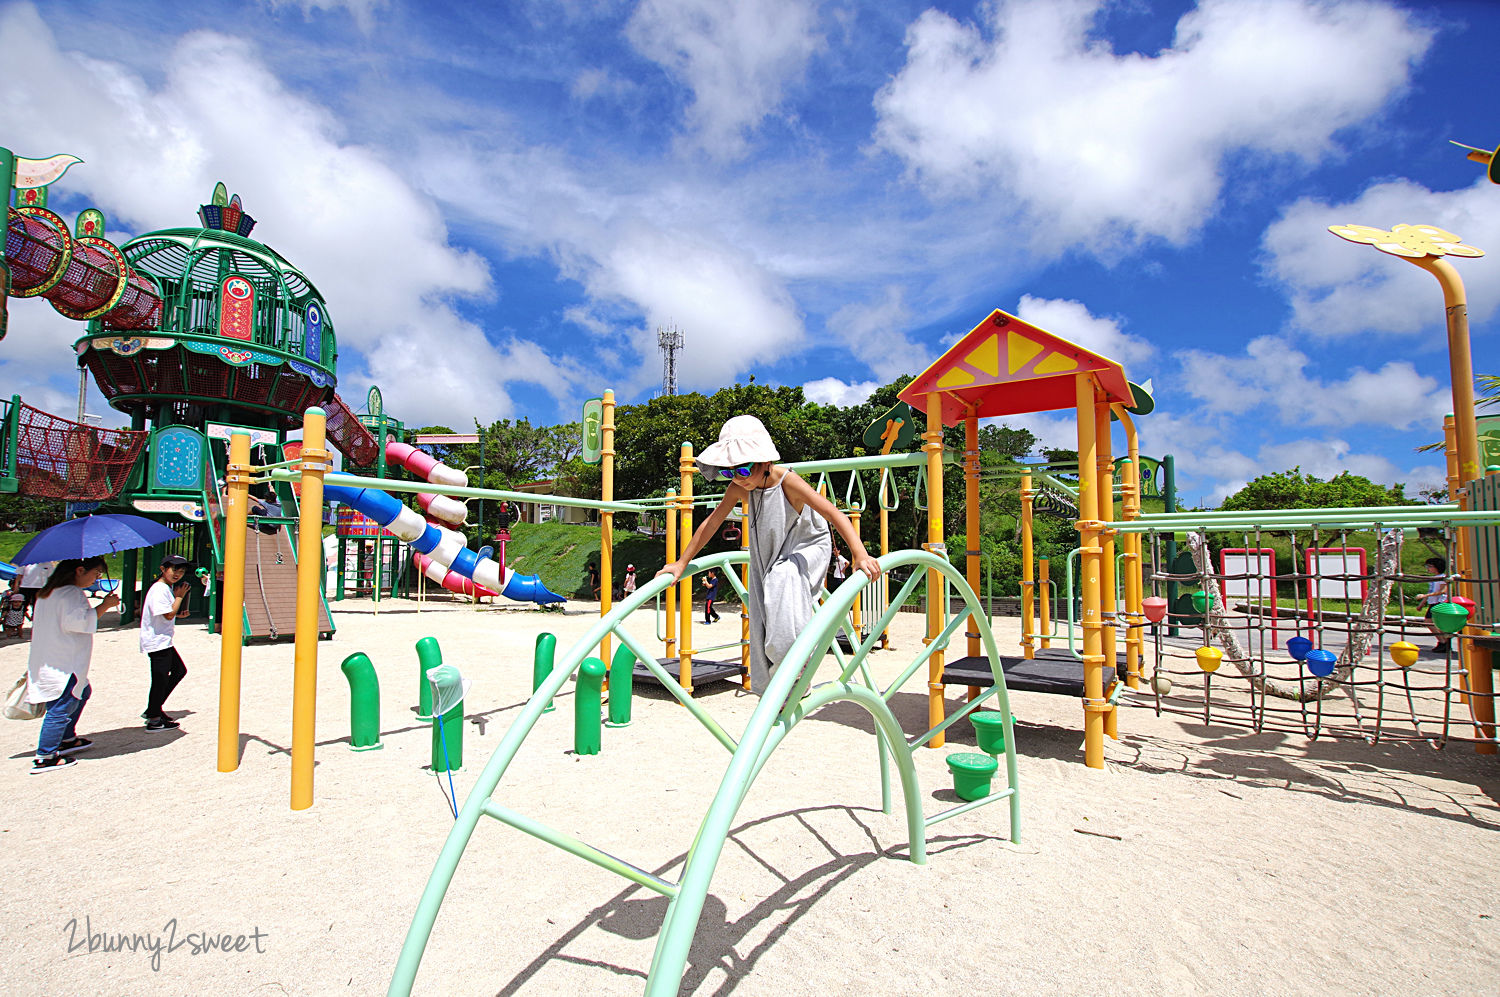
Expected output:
(503, 202)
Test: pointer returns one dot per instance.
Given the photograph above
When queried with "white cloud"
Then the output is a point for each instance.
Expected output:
(832, 391)
(1272, 375)
(152, 152)
(1099, 146)
(874, 334)
(1072, 321)
(736, 58)
(1338, 288)
(362, 11)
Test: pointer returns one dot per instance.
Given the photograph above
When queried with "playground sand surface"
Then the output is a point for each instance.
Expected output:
(1200, 860)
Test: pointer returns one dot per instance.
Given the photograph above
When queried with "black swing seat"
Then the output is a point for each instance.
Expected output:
(704, 671)
(1053, 670)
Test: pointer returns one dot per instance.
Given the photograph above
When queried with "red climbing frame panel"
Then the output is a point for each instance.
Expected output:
(58, 458)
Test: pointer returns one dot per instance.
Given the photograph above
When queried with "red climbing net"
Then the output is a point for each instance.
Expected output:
(346, 432)
(58, 458)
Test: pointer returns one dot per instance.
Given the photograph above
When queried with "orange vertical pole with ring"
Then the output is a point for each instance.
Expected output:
(686, 467)
(1028, 573)
(971, 526)
(671, 540)
(933, 447)
(313, 465)
(1094, 704)
(232, 630)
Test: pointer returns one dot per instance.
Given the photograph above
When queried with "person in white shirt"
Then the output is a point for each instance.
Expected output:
(33, 577)
(57, 672)
(159, 614)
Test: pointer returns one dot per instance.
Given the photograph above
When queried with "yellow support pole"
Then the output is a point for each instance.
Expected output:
(936, 593)
(854, 515)
(606, 519)
(1466, 436)
(232, 629)
(1028, 572)
(885, 548)
(971, 525)
(685, 466)
(314, 464)
(1044, 598)
(1107, 595)
(1450, 453)
(1135, 619)
(1094, 704)
(671, 511)
(744, 605)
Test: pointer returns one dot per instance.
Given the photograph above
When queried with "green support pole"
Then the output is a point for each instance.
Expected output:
(586, 699)
(621, 686)
(127, 584)
(429, 656)
(1169, 504)
(448, 740)
(541, 664)
(364, 702)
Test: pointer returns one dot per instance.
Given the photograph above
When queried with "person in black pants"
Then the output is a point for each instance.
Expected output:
(159, 612)
(710, 593)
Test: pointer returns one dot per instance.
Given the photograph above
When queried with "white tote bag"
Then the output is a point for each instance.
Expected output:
(16, 707)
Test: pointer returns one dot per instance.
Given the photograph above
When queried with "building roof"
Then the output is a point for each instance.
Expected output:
(1009, 366)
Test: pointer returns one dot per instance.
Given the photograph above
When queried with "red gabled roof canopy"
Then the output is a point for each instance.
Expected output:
(1009, 367)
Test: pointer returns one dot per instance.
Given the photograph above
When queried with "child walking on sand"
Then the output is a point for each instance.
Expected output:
(790, 541)
(158, 626)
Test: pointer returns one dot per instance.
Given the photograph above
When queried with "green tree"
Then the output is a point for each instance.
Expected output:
(1296, 490)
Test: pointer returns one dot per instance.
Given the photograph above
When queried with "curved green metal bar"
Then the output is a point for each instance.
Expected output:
(781, 708)
(894, 502)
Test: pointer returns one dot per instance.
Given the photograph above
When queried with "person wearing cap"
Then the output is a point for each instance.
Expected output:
(158, 626)
(790, 539)
(629, 586)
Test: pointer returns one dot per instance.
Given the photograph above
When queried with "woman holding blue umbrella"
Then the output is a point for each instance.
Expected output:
(62, 643)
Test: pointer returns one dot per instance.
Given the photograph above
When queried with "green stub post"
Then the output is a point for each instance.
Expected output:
(364, 702)
(586, 700)
(429, 656)
(541, 664)
(447, 735)
(621, 686)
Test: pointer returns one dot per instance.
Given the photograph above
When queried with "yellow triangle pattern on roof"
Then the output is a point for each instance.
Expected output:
(986, 356)
(1020, 350)
(955, 378)
(1056, 363)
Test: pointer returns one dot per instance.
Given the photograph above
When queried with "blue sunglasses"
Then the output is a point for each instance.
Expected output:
(730, 473)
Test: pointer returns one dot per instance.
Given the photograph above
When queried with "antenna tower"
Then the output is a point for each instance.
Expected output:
(669, 341)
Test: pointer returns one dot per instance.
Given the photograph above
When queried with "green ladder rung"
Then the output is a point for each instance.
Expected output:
(582, 849)
(966, 807)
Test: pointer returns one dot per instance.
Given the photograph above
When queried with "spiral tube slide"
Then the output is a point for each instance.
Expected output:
(444, 547)
(429, 468)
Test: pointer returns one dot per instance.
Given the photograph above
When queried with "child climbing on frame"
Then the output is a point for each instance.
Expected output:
(1437, 591)
(790, 541)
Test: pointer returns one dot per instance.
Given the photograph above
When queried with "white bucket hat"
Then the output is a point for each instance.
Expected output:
(743, 440)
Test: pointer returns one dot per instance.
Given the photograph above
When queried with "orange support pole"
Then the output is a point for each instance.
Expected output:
(685, 466)
(936, 591)
(971, 525)
(1028, 573)
(1094, 704)
(314, 464)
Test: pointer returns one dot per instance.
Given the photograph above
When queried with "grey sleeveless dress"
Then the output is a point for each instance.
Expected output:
(788, 561)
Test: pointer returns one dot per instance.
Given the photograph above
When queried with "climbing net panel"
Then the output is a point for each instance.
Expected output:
(1327, 643)
(347, 433)
(58, 458)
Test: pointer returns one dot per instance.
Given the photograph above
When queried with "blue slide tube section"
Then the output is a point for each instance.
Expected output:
(383, 508)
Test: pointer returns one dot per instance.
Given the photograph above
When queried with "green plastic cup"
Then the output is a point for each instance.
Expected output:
(971, 774)
(989, 728)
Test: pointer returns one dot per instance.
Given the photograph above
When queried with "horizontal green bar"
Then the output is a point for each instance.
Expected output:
(966, 807)
(917, 459)
(1360, 510)
(395, 485)
(582, 849)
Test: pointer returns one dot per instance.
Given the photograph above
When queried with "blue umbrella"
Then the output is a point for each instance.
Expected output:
(90, 535)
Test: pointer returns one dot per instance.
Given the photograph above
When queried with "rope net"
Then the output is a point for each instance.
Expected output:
(1327, 598)
(350, 436)
(58, 458)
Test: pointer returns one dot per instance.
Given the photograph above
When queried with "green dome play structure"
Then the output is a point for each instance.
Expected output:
(192, 333)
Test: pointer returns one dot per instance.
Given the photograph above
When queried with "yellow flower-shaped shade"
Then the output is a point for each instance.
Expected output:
(1411, 241)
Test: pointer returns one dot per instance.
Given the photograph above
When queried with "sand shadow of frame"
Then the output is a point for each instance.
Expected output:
(713, 948)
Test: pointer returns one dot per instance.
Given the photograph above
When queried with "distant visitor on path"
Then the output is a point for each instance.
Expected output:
(790, 542)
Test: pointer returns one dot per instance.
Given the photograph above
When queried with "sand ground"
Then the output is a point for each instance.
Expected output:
(1200, 861)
